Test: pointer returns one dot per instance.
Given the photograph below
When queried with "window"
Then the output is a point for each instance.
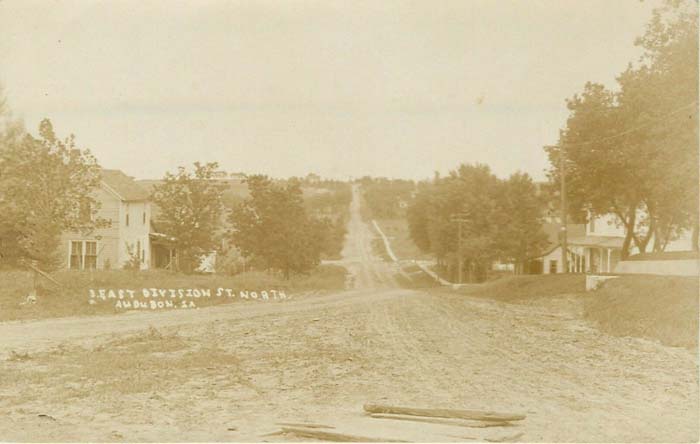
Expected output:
(591, 225)
(127, 215)
(144, 217)
(553, 267)
(76, 255)
(83, 255)
(90, 261)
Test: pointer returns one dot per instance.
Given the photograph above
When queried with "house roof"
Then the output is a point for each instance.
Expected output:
(123, 185)
(552, 231)
(597, 241)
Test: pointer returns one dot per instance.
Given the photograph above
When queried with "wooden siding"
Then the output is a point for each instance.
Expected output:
(107, 238)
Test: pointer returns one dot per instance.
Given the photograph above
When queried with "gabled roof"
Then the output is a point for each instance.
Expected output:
(124, 186)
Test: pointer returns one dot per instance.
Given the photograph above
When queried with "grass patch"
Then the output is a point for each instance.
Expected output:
(72, 298)
(396, 230)
(527, 287)
(414, 278)
(379, 249)
(664, 308)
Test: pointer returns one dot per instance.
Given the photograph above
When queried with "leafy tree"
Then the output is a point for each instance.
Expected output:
(331, 208)
(46, 186)
(499, 220)
(634, 152)
(663, 87)
(417, 215)
(471, 194)
(477, 190)
(190, 210)
(272, 227)
(521, 211)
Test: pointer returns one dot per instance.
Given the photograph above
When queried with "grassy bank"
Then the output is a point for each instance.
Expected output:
(396, 230)
(413, 277)
(664, 308)
(73, 297)
(527, 287)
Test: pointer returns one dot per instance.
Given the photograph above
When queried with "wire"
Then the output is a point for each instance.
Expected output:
(631, 130)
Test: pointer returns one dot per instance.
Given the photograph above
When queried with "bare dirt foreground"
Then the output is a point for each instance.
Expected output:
(232, 372)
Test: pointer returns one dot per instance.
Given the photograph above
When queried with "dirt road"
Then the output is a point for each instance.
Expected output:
(231, 372)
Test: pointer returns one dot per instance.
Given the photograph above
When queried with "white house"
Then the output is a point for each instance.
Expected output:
(550, 262)
(125, 205)
(595, 247)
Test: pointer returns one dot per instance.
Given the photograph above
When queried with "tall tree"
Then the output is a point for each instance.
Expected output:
(601, 174)
(46, 186)
(470, 194)
(663, 87)
(634, 152)
(520, 217)
(272, 227)
(190, 210)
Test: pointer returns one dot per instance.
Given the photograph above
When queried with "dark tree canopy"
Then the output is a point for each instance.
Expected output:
(272, 228)
(500, 219)
(46, 188)
(190, 209)
(634, 152)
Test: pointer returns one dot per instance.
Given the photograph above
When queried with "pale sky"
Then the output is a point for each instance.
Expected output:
(340, 88)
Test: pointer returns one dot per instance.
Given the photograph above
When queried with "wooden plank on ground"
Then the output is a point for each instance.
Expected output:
(478, 415)
(446, 421)
(331, 436)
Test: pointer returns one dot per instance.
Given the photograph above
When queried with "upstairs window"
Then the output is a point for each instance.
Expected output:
(144, 217)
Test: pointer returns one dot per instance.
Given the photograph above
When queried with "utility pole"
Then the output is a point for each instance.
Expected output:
(564, 240)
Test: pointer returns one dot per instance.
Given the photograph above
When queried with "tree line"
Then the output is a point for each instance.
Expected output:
(387, 198)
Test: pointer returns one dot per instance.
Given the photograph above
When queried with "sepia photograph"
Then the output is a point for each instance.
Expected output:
(274, 221)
